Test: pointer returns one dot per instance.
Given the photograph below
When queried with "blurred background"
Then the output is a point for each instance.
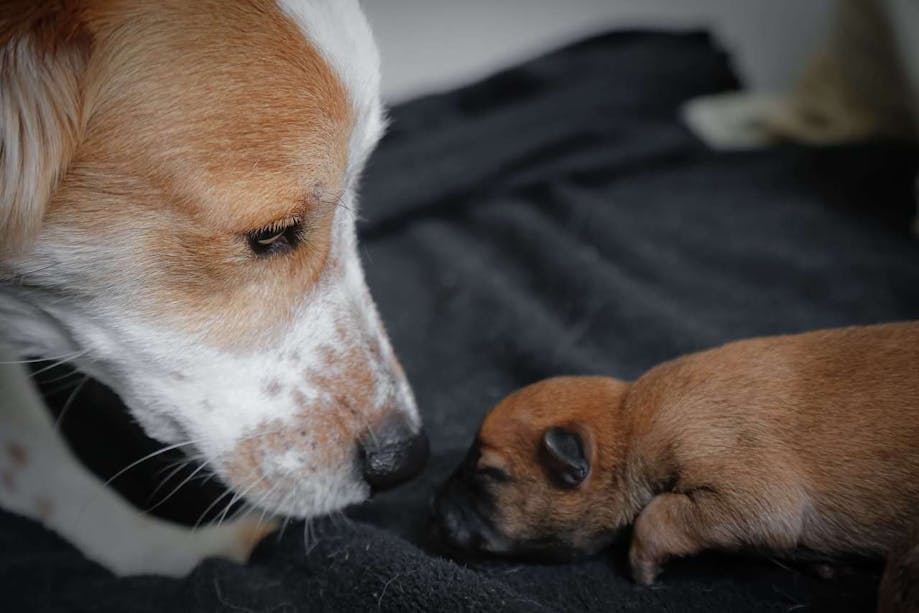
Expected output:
(433, 45)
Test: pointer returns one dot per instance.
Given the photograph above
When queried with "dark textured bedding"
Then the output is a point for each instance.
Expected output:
(556, 218)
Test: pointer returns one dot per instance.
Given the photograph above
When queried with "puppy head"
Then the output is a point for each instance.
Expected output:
(544, 475)
(178, 184)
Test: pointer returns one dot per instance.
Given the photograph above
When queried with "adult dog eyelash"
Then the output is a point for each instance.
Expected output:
(279, 237)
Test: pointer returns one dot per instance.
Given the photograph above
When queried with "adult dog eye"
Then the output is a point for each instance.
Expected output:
(275, 239)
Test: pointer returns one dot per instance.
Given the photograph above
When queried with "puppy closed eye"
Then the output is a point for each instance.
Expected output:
(494, 473)
(277, 238)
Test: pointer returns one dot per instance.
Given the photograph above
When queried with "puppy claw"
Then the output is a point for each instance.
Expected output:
(645, 574)
(644, 570)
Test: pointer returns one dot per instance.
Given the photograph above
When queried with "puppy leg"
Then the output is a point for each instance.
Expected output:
(675, 525)
(41, 479)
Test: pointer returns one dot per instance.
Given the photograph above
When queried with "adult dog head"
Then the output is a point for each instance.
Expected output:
(177, 196)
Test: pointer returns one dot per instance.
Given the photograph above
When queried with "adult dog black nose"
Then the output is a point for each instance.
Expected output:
(392, 454)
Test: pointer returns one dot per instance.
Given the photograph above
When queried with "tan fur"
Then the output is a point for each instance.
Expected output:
(43, 54)
(509, 440)
(808, 440)
(168, 169)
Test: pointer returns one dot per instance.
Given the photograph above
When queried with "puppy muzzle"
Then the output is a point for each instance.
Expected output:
(461, 525)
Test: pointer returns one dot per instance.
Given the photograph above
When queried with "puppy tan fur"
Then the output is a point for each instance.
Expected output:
(772, 443)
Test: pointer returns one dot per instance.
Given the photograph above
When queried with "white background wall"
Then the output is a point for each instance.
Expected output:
(430, 45)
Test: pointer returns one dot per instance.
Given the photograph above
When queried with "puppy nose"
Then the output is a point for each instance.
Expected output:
(392, 454)
(456, 531)
(457, 522)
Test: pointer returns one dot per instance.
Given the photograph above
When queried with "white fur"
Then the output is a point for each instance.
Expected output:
(48, 483)
(39, 119)
(340, 31)
(179, 388)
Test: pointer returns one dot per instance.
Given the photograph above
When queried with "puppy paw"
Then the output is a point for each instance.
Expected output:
(644, 568)
(659, 535)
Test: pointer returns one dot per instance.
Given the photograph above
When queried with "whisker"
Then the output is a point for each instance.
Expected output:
(208, 477)
(66, 386)
(311, 536)
(264, 499)
(62, 359)
(210, 507)
(185, 461)
(336, 201)
(245, 508)
(179, 445)
(150, 456)
(339, 516)
(69, 402)
(58, 363)
(176, 469)
(177, 488)
(306, 535)
(65, 357)
(287, 519)
(67, 375)
(237, 497)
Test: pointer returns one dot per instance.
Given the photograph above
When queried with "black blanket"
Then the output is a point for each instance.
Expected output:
(556, 218)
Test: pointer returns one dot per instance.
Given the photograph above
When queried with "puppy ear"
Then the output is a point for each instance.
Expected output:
(564, 455)
(44, 49)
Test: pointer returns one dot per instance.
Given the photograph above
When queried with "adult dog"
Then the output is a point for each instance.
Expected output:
(177, 187)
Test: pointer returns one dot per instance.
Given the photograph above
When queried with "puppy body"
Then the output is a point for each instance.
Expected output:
(809, 440)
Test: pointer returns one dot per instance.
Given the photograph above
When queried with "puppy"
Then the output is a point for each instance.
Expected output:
(771, 443)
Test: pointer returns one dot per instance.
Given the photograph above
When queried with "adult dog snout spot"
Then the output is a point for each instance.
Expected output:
(393, 455)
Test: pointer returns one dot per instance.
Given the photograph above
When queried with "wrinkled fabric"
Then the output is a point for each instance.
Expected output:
(556, 218)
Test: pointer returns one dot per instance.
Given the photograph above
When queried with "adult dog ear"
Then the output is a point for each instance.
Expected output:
(564, 454)
(44, 50)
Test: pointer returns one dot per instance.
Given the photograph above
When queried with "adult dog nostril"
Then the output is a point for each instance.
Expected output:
(387, 461)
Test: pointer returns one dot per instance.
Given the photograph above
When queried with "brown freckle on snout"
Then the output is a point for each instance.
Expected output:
(353, 378)
(298, 398)
(272, 388)
(318, 428)
(178, 376)
(17, 454)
